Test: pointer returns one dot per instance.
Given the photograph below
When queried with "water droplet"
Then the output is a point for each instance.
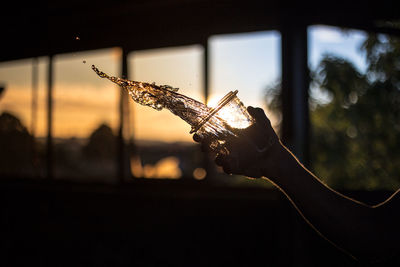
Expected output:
(352, 132)
(353, 97)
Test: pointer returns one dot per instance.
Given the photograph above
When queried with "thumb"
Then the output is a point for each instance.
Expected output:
(259, 115)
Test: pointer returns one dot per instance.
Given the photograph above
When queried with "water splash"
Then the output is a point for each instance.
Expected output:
(161, 96)
(216, 129)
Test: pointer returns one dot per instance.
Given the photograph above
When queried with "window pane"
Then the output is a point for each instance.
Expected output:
(164, 147)
(355, 98)
(85, 116)
(250, 63)
(22, 117)
(346, 44)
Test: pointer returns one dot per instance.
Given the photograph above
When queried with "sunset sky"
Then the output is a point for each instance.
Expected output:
(246, 62)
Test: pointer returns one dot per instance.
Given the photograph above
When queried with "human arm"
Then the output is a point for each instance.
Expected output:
(366, 232)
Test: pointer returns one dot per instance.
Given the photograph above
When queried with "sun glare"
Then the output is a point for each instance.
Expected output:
(213, 100)
(167, 167)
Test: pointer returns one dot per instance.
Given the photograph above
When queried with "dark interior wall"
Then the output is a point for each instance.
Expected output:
(51, 27)
(153, 224)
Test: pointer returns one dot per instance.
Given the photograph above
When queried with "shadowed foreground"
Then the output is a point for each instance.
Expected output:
(157, 223)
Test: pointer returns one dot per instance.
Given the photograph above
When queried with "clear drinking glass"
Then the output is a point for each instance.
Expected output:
(223, 121)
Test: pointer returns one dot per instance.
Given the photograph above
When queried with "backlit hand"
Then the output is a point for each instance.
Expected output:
(246, 153)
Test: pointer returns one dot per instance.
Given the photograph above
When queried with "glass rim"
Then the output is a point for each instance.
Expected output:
(221, 103)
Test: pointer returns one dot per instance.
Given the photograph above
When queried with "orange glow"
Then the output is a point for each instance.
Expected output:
(17, 100)
(179, 67)
(150, 124)
(275, 121)
(199, 173)
(82, 101)
(167, 167)
(213, 99)
(79, 110)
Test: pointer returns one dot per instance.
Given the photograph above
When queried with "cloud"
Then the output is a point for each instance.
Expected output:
(327, 34)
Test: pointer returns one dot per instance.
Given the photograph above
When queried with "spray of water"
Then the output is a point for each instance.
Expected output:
(161, 96)
(188, 109)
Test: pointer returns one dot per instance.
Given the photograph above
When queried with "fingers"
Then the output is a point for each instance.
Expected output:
(205, 146)
(231, 164)
(238, 153)
(256, 112)
(227, 169)
(205, 142)
(197, 138)
(224, 162)
(259, 115)
(220, 159)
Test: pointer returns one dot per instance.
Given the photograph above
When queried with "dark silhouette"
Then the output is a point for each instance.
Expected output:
(101, 145)
(2, 90)
(365, 232)
(15, 144)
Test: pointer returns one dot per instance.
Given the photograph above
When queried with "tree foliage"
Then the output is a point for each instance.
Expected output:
(355, 142)
(101, 145)
(15, 146)
(356, 135)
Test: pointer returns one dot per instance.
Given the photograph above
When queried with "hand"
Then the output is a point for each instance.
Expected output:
(247, 152)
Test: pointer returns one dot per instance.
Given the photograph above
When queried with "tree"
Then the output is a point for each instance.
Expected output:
(101, 145)
(355, 140)
(15, 144)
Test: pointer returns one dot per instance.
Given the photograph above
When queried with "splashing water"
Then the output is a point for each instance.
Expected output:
(163, 96)
(216, 129)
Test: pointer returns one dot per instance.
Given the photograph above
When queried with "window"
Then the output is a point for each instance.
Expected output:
(85, 116)
(23, 117)
(249, 63)
(163, 146)
(355, 108)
